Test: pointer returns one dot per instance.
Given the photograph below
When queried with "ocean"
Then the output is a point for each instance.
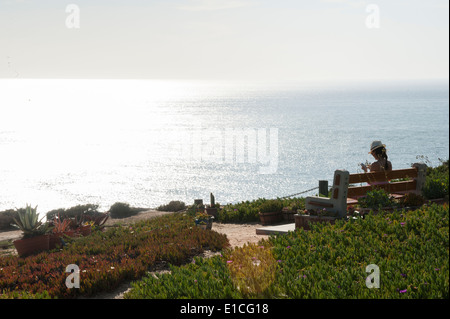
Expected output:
(148, 142)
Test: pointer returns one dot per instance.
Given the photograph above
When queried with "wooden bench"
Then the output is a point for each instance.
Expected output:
(345, 193)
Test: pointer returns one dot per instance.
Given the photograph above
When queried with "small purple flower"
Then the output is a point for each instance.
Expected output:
(437, 269)
(279, 261)
(403, 224)
(403, 291)
(339, 287)
(288, 247)
(195, 280)
(304, 276)
(403, 275)
(229, 261)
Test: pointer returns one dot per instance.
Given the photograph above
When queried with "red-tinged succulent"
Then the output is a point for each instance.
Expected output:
(106, 259)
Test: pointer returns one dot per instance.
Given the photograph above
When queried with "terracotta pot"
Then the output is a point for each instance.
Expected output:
(55, 240)
(301, 221)
(85, 230)
(270, 218)
(28, 246)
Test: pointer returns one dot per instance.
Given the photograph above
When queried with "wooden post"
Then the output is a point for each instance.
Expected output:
(323, 188)
(212, 200)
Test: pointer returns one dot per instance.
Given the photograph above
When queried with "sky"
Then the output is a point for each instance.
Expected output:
(274, 40)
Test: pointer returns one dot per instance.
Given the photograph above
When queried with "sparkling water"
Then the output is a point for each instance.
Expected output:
(146, 142)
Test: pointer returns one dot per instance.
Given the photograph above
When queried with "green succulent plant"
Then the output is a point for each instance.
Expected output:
(29, 223)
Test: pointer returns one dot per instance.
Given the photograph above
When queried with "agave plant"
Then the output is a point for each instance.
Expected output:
(29, 224)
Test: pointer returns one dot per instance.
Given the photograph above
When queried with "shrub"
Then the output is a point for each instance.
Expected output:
(248, 211)
(75, 212)
(122, 210)
(437, 182)
(412, 200)
(173, 206)
(375, 199)
(7, 218)
(435, 188)
(271, 206)
(241, 212)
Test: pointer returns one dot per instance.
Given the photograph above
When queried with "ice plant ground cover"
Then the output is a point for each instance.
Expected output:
(107, 259)
(411, 249)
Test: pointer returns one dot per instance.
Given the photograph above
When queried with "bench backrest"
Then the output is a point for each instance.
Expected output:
(413, 181)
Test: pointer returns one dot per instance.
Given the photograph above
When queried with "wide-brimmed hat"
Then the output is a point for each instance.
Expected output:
(375, 145)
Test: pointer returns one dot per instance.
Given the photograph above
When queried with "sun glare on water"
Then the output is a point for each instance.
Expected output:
(54, 128)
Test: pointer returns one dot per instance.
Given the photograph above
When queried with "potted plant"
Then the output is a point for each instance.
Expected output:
(289, 212)
(204, 220)
(59, 229)
(79, 226)
(35, 237)
(270, 212)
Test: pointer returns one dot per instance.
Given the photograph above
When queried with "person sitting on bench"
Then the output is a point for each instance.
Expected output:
(382, 164)
(378, 151)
